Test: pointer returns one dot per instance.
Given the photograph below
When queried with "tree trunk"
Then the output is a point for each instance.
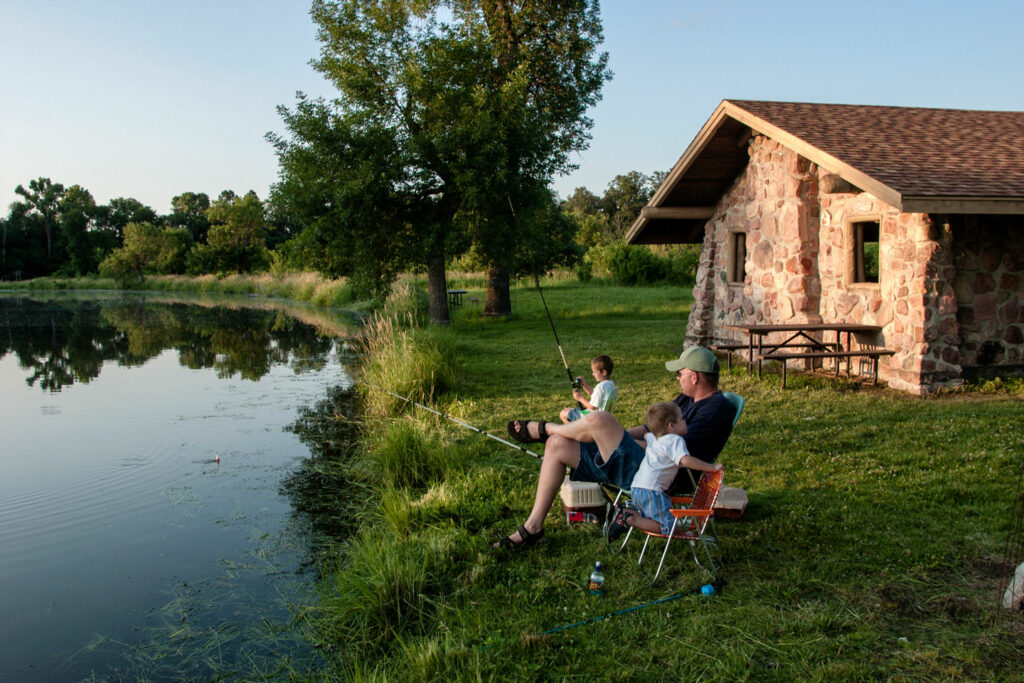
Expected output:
(498, 301)
(437, 291)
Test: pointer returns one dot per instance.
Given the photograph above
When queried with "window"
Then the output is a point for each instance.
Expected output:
(737, 257)
(864, 266)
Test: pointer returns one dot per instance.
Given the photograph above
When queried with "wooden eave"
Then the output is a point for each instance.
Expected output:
(718, 154)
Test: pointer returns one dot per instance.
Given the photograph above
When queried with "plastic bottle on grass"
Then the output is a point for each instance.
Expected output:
(597, 580)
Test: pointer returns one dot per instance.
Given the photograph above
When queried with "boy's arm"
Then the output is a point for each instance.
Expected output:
(587, 405)
(698, 464)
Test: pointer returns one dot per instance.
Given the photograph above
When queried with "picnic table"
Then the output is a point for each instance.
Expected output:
(455, 296)
(802, 344)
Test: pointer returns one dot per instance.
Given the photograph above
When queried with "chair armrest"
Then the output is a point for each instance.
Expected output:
(679, 514)
(681, 500)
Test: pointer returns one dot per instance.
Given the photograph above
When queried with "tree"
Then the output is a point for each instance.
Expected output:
(121, 211)
(42, 207)
(237, 236)
(147, 249)
(77, 214)
(624, 198)
(188, 210)
(452, 117)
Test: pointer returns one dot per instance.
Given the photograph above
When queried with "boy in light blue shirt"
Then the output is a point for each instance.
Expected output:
(601, 397)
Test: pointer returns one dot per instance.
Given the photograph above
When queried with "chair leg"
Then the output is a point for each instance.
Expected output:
(647, 539)
(668, 542)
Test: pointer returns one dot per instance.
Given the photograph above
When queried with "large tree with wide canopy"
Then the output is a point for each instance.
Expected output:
(451, 119)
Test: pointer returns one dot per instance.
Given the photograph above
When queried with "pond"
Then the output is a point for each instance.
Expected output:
(149, 524)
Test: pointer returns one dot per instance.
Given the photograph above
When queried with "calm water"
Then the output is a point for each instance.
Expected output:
(126, 550)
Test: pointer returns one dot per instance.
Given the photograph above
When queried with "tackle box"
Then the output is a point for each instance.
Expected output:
(582, 501)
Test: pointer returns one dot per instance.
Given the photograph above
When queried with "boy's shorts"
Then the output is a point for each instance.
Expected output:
(618, 470)
(654, 505)
(576, 414)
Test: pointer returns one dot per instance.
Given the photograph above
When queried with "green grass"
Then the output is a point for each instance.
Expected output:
(871, 547)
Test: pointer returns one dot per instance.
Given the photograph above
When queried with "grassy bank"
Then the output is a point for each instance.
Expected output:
(871, 547)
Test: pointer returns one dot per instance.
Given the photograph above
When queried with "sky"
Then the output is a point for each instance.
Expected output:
(130, 98)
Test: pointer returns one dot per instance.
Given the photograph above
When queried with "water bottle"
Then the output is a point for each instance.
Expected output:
(597, 580)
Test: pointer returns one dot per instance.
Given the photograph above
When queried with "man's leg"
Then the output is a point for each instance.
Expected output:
(559, 453)
(599, 427)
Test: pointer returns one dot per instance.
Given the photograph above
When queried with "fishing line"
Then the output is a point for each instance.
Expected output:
(536, 283)
(455, 420)
(717, 585)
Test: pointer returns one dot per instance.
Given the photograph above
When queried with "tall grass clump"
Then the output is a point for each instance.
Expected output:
(384, 588)
(411, 362)
(403, 453)
(406, 301)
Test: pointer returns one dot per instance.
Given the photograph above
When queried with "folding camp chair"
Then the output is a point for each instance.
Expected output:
(690, 523)
(738, 403)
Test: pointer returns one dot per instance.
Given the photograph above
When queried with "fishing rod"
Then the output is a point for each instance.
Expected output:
(573, 380)
(455, 420)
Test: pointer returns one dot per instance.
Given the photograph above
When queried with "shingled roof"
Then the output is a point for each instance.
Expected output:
(915, 159)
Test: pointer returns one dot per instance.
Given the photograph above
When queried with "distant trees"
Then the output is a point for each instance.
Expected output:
(147, 250)
(328, 215)
(237, 239)
(53, 230)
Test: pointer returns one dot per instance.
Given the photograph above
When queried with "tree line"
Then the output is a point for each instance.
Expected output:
(56, 230)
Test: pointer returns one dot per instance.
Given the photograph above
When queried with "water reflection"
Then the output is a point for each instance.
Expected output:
(60, 343)
(129, 552)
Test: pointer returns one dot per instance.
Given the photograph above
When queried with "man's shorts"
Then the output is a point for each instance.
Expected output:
(654, 505)
(619, 468)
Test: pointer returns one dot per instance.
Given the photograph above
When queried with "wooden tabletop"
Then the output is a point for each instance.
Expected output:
(804, 327)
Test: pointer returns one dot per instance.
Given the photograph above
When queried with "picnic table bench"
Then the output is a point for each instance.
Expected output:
(802, 345)
(871, 354)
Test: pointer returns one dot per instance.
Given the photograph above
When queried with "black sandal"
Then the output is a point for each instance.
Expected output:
(521, 433)
(526, 539)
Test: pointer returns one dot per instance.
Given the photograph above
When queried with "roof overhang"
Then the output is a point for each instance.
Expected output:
(678, 210)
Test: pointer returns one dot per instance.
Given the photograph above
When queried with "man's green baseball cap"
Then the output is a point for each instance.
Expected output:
(695, 358)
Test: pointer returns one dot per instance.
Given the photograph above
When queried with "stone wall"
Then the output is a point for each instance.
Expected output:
(913, 302)
(775, 203)
(796, 219)
(988, 252)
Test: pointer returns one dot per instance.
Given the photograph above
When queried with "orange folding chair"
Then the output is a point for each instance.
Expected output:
(689, 523)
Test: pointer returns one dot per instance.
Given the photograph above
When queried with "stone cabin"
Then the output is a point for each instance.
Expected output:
(907, 218)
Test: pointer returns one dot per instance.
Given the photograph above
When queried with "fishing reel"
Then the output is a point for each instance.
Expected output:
(577, 384)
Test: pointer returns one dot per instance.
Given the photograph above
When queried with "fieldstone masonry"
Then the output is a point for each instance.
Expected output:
(951, 288)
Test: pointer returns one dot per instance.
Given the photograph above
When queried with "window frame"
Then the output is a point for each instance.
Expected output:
(737, 242)
(854, 251)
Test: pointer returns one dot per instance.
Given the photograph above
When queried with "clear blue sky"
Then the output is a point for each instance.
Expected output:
(152, 99)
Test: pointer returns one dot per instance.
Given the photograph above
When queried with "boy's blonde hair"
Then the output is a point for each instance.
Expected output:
(660, 414)
(603, 362)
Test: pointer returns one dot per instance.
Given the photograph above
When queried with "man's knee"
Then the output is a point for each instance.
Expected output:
(602, 420)
(565, 451)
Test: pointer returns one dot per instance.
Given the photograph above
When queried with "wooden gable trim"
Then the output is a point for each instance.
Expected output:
(696, 146)
(963, 205)
(845, 171)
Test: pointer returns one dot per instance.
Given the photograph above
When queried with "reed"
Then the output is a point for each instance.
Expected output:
(403, 360)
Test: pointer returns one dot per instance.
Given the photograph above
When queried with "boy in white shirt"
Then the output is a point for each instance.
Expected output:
(601, 397)
(666, 453)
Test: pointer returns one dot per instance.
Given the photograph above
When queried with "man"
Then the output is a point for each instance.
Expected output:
(597, 448)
